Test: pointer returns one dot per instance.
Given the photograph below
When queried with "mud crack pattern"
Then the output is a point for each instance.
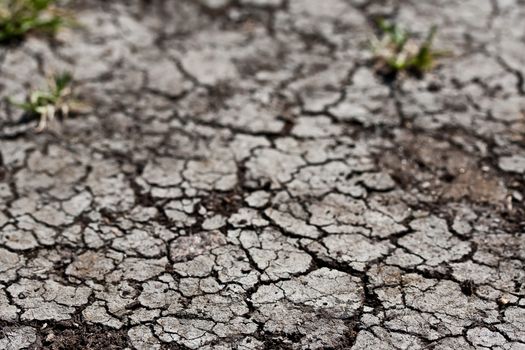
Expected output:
(246, 181)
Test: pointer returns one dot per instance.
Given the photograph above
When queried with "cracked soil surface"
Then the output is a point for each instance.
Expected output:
(246, 181)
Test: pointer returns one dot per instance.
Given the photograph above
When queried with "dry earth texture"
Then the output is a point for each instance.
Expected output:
(245, 180)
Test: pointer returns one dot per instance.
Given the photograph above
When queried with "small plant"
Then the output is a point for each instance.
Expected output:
(396, 50)
(56, 100)
(20, 17)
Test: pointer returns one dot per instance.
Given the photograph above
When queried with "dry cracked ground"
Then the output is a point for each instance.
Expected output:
(246, 181)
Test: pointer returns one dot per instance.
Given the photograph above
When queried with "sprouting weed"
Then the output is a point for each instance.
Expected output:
(396, 50)
(20, 17)
(57, 99)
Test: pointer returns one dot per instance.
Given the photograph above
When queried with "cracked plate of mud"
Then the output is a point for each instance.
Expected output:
(250, 175)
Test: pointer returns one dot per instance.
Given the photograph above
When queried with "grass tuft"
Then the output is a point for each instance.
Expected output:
(396, 50)
(21, 17)
(57, 99)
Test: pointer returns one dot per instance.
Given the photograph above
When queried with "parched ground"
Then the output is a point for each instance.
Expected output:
(246, 181)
